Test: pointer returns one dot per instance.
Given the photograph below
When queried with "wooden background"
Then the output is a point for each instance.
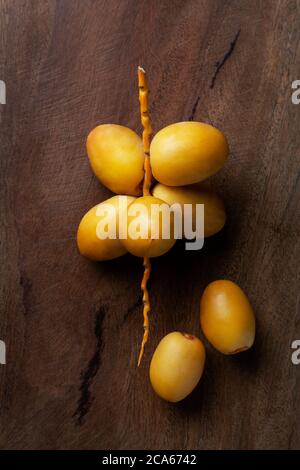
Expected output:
(73, 327)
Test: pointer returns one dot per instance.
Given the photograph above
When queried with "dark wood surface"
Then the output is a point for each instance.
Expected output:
(73, 327)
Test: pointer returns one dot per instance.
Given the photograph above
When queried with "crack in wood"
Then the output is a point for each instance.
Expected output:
(220, 64)
(194, 109)
(87, 376)
(26, 286)
(132, 308)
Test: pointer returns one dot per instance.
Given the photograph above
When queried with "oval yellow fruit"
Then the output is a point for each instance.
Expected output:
(214, 210)
(117, 158)
(89, 244)
(187, 152)
(177, 366)
(141, 218)
(226, 317)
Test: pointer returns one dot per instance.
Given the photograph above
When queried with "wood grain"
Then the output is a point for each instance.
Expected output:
(73, 327)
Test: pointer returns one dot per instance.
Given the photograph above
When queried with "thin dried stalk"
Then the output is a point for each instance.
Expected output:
(147, 132)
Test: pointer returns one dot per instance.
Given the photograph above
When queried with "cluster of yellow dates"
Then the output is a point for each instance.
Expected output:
(181, 156)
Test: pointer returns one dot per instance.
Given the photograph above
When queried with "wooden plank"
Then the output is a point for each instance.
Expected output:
(73, 327)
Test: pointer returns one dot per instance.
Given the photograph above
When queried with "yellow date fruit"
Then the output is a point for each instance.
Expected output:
(89, 244)
(177, 366)
(140, 239)
(117, 158)
(226, 317)
(214, 210)
(187, 152)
